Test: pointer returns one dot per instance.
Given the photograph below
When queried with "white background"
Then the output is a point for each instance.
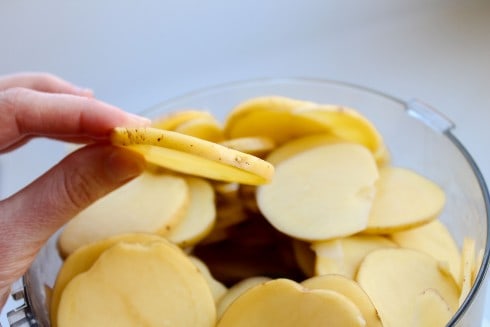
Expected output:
(136, 54)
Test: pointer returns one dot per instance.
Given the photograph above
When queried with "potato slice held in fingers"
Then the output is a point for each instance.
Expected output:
(191, 155)
(295, 306)
(404, 199)
(351, 290)
(394, 278)
(138, 284)
(323, 193)
(151, 203)
(200, 215)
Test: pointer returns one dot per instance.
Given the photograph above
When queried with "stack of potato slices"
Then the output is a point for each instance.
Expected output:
(289, 213)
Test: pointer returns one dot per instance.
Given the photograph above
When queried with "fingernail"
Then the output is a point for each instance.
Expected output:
(123, 165)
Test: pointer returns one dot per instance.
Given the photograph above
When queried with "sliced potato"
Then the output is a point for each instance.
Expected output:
(393, 278)
(404, 199)
(191, 155)
(434, 239)
(206, 128)
(467, 265)
(152, 203)
(256, 145)
(217, 288)
(171, 120)
(296, 306)
(83, 258)
(270, 117)
(321, 193)
(135, 284)
(431, 310)
(345, 123)
(343, 256)
(351, 290)
(477, 266)
(199, 217)
(236, 290)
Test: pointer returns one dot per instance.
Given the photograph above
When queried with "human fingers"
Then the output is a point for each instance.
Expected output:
(25, 113)
(31, 216)
(43, 82)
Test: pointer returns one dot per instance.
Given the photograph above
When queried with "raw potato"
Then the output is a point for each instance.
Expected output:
(256, 146)
(393, 278)
(135, 285)
(343, 256)
(296, 306)
(434, 239)
(206, 128)
(351, 290)
(431, 310)
(174, 119)
(270, 117)
(199, 217)
(404, 199)
(217, 288)
(467, 265)
(83, 258)
(152, 203)
(236, 290)
(322, 193)
(192, 155)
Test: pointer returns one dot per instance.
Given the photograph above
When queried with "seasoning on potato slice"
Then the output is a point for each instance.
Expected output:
(171, 120)
(404, 199)
(322, 193)
(217, 288)
(283, 302)
(431, 310)
(346, 123)
(200, 215)
(344, 255)
(270, 117)
(206, 128)
(434, 239)
(351, 290)
(393, 278)
(193, 156)
(255, 145)
(83, 258)
(152, 203)
(138, 284)
(236, 290)
(468, 258)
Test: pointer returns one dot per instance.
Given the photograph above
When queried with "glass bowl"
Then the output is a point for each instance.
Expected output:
(417, 136)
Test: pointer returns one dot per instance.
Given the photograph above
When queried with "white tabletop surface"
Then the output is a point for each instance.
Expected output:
(136, 54)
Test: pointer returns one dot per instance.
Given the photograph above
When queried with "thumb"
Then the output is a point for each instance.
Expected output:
(31, 216)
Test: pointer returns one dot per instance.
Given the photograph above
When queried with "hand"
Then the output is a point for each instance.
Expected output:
(41, 105)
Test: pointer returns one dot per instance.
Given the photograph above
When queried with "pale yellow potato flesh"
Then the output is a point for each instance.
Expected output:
(468, 257)
(83, 258)
(217, 288)
(321, 193)
(404, 199)
(343, 256)
(151, 203)
(431, 310)
(236, 290)
(255, 145)
(200, 215)
(270, 117)
(393, 278)
(345, 123)
(296, 306)
(192, 155)
(351, 290)
(135, 285)
(172, 120)
(434, 239)
(206, 128)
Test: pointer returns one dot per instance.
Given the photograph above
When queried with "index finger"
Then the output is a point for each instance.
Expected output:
(26, 113)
